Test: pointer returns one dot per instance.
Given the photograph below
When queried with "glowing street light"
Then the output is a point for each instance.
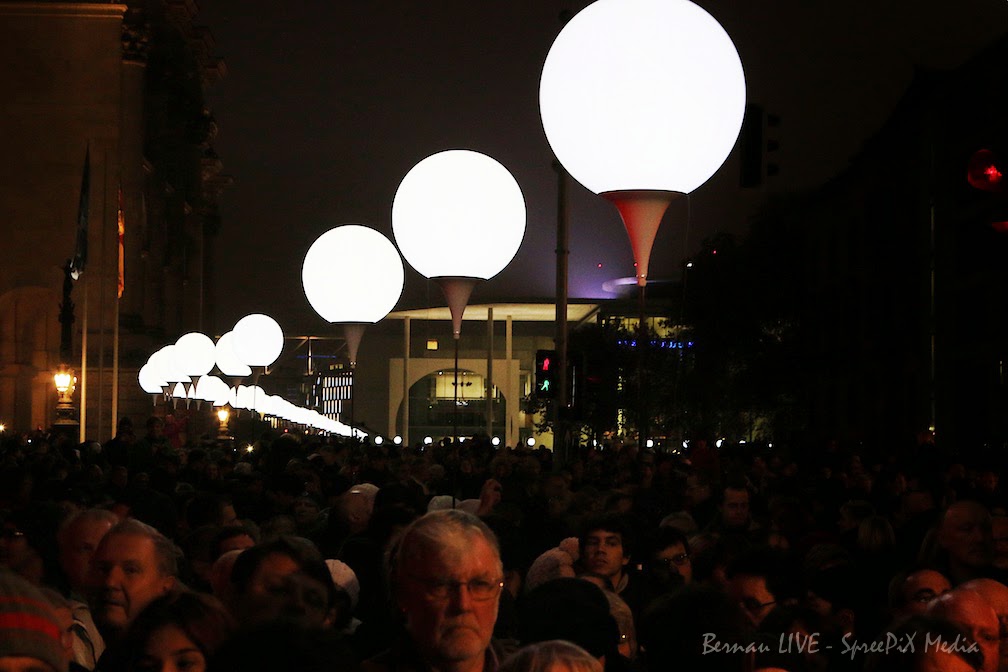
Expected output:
(66, 383)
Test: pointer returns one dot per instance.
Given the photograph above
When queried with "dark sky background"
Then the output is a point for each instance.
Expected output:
(327, 105)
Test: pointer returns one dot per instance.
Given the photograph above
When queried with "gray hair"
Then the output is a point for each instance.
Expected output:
(168, 554)
(434, 530)
(89, 515)
(541, 657)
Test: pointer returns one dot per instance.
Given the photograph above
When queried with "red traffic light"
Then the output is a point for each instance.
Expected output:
(984, 171)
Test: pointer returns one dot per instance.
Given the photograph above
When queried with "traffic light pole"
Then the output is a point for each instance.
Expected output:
(560, 442)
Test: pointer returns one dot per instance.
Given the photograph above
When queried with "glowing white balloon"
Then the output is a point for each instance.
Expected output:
(642, 95)
(227, 359)
(458, 213)
(195, 354)
(257, 339)
(352, 274)
(150, 381)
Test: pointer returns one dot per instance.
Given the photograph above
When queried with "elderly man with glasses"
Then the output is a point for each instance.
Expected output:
(446, 578)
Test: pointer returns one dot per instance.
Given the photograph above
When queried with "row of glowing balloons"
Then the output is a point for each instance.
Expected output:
(354, 275)
(182, 371)
(459, 216)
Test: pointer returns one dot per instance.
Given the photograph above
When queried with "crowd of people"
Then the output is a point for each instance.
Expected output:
(319, 553)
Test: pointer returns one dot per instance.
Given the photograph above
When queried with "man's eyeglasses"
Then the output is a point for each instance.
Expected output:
(753, 605)
(8, 533)
(479, 589)
(677, 560)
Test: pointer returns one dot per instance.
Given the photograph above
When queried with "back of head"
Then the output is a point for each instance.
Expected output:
(546, 656)
(284, 646)
(922, 629)
(28, 625)
(673, 628)
(571, 609)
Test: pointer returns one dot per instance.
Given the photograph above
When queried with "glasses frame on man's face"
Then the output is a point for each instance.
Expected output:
(480, 590)
(678, 560)
(754, 606)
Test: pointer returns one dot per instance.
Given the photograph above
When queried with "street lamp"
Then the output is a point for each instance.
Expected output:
(223, 415)
(66, 383)
(458, 217)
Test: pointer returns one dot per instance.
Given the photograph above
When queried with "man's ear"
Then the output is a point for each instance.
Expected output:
(168, 585)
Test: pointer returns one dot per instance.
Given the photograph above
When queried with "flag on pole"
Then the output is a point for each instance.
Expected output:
(80, 253)
(122, 250)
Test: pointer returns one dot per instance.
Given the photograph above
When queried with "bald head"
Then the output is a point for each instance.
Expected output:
(972, 613)
(996, 595)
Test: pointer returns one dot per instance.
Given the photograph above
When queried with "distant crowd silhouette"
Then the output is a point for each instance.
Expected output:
(323, 553)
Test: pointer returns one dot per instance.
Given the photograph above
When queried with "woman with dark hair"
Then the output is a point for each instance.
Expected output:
(176, 633)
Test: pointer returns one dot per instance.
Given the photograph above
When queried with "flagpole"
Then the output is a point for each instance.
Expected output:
(120, 279)
(77, 271)
(102, 326)
(115, 367)
(83, 366)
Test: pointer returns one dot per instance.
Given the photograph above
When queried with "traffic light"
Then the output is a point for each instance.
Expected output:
(546, 375)
(985, 174)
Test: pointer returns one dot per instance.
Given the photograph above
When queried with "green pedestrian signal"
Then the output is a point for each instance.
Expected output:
(546, 374)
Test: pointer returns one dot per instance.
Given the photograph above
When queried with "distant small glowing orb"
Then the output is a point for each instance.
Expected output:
(530, 442)
(642, 95)
(459, 214)
(3, 428)
(257, 339)
(495, 441)
(427, 440)
(378, 440)
(649, 443)
(352, 274)
(249, 448)
(685, 444)
(719, 443)
(397, 440)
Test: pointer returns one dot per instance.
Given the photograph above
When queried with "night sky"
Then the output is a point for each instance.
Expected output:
(327, 105)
